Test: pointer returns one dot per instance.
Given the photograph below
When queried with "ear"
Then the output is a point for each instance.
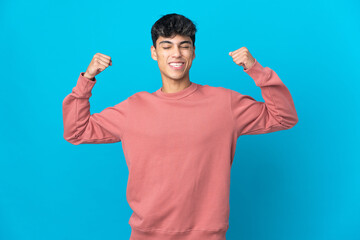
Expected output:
(194, 53)
(153, 53)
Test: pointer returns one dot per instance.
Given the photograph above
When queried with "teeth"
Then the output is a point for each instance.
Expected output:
(176, 64)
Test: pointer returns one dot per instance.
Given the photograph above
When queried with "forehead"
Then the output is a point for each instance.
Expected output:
(177, 39)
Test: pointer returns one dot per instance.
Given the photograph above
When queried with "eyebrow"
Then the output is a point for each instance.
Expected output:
(171, 42)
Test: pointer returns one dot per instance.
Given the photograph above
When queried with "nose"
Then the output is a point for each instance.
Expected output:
(177, 52)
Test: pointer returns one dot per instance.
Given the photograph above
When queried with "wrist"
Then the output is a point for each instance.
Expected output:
(89, 76)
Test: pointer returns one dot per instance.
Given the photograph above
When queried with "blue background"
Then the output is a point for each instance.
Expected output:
(302, 183)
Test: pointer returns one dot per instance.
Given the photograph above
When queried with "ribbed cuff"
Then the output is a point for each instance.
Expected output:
(84, 86)
(258, 73)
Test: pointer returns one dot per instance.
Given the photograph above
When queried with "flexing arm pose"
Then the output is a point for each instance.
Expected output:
(82, 127)
(255, 117)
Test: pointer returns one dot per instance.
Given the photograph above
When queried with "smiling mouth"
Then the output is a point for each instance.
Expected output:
(177, 66)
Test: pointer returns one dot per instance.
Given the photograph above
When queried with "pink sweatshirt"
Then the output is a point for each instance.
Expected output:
(179, 148)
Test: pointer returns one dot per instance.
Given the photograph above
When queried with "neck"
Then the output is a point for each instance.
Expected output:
(173, 86)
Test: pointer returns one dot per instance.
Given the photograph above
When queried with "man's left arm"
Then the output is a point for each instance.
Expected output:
(255, 117)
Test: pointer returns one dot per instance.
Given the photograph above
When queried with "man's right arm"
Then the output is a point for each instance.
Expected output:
(82, 127)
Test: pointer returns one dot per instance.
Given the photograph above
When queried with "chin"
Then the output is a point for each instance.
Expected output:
(177, 78)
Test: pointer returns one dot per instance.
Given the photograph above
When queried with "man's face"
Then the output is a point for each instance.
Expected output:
(178, 49)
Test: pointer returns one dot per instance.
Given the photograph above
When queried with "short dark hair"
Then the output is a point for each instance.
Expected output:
(173, 24)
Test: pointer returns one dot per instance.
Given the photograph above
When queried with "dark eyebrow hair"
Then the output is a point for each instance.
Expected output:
(171, 42)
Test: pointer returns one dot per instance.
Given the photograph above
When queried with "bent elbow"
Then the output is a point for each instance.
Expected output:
(290, 121)
(72, 139)
(296, 120)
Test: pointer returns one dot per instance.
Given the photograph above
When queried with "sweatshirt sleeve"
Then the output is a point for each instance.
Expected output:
(255, 117)
(81, 127)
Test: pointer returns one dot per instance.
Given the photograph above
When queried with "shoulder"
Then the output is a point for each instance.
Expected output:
(139, 97)
(214, 90)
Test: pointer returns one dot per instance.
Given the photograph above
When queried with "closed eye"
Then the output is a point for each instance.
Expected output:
(181, 47)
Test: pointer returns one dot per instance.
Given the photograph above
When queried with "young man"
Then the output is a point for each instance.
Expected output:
(179, 141)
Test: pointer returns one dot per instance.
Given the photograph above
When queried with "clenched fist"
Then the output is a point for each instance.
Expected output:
(242, 57)
(97, 65)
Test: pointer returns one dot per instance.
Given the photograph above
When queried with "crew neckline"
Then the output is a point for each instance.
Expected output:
(177, 95)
